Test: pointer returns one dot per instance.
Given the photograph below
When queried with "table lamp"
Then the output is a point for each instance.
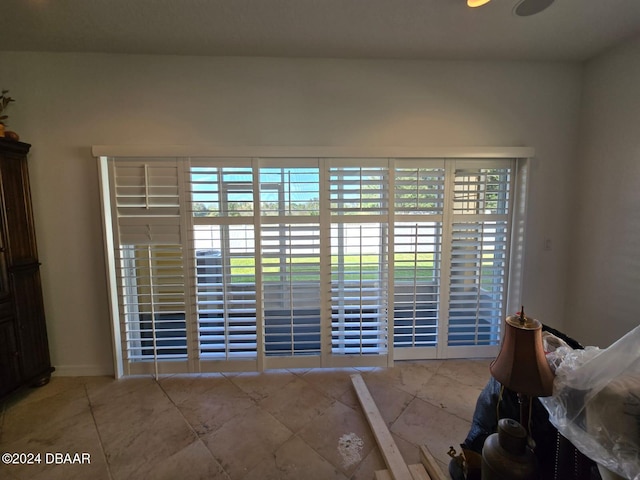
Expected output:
(521, 365)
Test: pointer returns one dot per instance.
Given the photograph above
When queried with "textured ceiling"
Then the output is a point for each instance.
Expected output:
(420, 29)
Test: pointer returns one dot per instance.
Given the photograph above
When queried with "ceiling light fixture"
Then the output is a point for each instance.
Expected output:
(476, 3)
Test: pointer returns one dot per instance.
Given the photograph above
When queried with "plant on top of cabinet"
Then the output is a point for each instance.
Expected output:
(5, 100)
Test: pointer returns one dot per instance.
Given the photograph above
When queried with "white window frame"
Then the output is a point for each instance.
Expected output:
(520, 155)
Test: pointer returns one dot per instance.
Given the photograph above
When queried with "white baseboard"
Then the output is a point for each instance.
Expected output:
(82, 371)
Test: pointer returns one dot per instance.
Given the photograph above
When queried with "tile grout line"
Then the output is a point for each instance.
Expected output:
(415, 396)
(392, 423)
(296, 434)
(430, 402)
(193, 430)
(95, 423)
(355, 410)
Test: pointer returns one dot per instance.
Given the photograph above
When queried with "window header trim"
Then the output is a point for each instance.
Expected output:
(194, 151)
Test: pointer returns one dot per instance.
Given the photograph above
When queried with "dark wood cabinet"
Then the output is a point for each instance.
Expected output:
(24, 348)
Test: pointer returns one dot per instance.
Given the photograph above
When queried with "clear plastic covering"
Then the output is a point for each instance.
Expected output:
(596, 402)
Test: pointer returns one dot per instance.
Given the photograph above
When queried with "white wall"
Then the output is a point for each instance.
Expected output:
(65, 103)
(604, 277)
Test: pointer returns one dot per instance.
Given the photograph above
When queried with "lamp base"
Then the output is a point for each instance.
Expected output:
(506, 455)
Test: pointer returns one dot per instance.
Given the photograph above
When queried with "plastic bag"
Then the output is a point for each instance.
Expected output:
(596, 403)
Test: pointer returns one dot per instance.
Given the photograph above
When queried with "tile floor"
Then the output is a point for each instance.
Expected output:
(285, 424)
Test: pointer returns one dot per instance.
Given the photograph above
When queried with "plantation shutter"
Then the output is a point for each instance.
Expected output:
(479, 252)
(290, 258)
(245, 263)
(225, 257)
(359, 209)
(419, 206)
(149, 252)
(147, 202)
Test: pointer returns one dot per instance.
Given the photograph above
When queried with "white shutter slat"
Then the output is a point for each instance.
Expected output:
(150, 273)
(482, 191)
(416, 283)
(359, 260)
(150, 233)
(291, 288)
(289, 191)
(146, 190)
(419, 194)
(479, 251)
(419, 190)
(225, 287)
(358, 190)
(153, 305)
(221, 191)
(148, 203)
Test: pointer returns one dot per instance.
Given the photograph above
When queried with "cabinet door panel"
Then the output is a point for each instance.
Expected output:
(9, 370)
(32, 334)
(20, 243)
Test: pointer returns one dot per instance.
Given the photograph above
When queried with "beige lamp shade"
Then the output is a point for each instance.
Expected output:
(521, 365)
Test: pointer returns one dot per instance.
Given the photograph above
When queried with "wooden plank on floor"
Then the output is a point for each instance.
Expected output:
(430, 464)
(392, 456)
(382, 475)
(417, 473)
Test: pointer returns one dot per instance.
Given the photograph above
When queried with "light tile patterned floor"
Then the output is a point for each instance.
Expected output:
(276, 425)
